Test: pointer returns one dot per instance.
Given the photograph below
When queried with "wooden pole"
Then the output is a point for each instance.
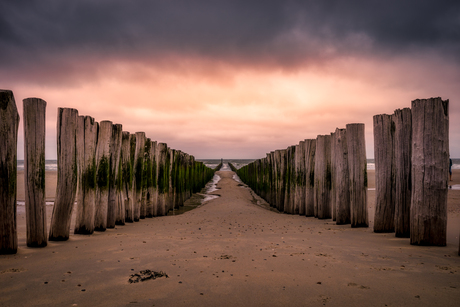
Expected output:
(102, 174)
(289, 183)
(66, 186)
(384, 173)
(403, 153)
(430, 166)
(154, 189)
(280, 157)
(147, 180)
(87, 130)
(34, 170)
(342, 177)
(357, 165)
(310, 150)
(299, 207)
(323, 177)
(163, 178)
(333, 178)
(128, 146)
(114, 178)
(138, 174)
(9, 124)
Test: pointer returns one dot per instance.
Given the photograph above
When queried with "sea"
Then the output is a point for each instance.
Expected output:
(51, 165)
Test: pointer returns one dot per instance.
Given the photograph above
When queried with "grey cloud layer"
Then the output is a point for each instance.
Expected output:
(279, 32)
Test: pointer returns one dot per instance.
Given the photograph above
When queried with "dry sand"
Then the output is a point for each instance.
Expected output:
(231, 251)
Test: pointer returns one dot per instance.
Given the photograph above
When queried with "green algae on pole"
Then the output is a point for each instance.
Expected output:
(430, 166)
(34, 110)
(9, 124)
(114, 176)
(66, 175)
(128, 147)
(357, 166)
(342, 180)
(163, 178)
(147, 181)
(138, 175)
(86, 155)
(384, 173)
(102, 174)
(299, 206)
(323, 177)
(152, 184)
(402, 156)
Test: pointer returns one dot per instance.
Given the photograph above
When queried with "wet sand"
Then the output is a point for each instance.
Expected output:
(231, 251)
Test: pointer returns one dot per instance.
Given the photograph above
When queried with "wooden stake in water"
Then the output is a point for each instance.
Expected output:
(9, 124)
(66, 187)
(34, 171)
(430, 169)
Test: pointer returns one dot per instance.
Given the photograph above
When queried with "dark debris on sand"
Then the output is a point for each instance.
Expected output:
(146, 275)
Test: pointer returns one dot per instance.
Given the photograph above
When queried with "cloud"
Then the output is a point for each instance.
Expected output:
(231, 77)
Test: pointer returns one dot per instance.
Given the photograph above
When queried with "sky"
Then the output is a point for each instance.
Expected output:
(231, 79)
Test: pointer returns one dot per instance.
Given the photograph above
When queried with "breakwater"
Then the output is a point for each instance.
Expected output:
(326, 177)
(107, 175)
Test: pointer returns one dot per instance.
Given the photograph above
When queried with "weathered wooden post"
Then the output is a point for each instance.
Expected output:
(384, 173)
(154, 155)
(271, 186)
(138, 174)
(163, 177)
(66, 187)
(147, 181)
(169, 194)
(430, 166)
(114, 176)
(357, 165)
(310, 151)
(9, 124)
(128, 147)
(87, 130)
(342, 177)
(333, 178)
(323, 177)
(104, 139)
(299, 206)
(280, 157)
(34, 171)
(402, 159)
(289, 183)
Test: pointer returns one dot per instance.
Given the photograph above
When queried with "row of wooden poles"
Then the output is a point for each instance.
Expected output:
(326, 177)
(113, 176)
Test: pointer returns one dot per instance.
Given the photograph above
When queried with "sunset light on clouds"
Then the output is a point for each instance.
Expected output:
(231, 79)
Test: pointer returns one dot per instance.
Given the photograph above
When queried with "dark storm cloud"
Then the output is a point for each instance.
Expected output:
(257, 32)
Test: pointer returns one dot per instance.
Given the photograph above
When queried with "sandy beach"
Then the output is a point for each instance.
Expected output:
(232, 251)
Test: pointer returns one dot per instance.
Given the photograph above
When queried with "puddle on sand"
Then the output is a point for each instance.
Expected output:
(198, 199)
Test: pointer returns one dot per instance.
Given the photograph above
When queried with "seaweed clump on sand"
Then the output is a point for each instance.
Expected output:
(146, 275)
